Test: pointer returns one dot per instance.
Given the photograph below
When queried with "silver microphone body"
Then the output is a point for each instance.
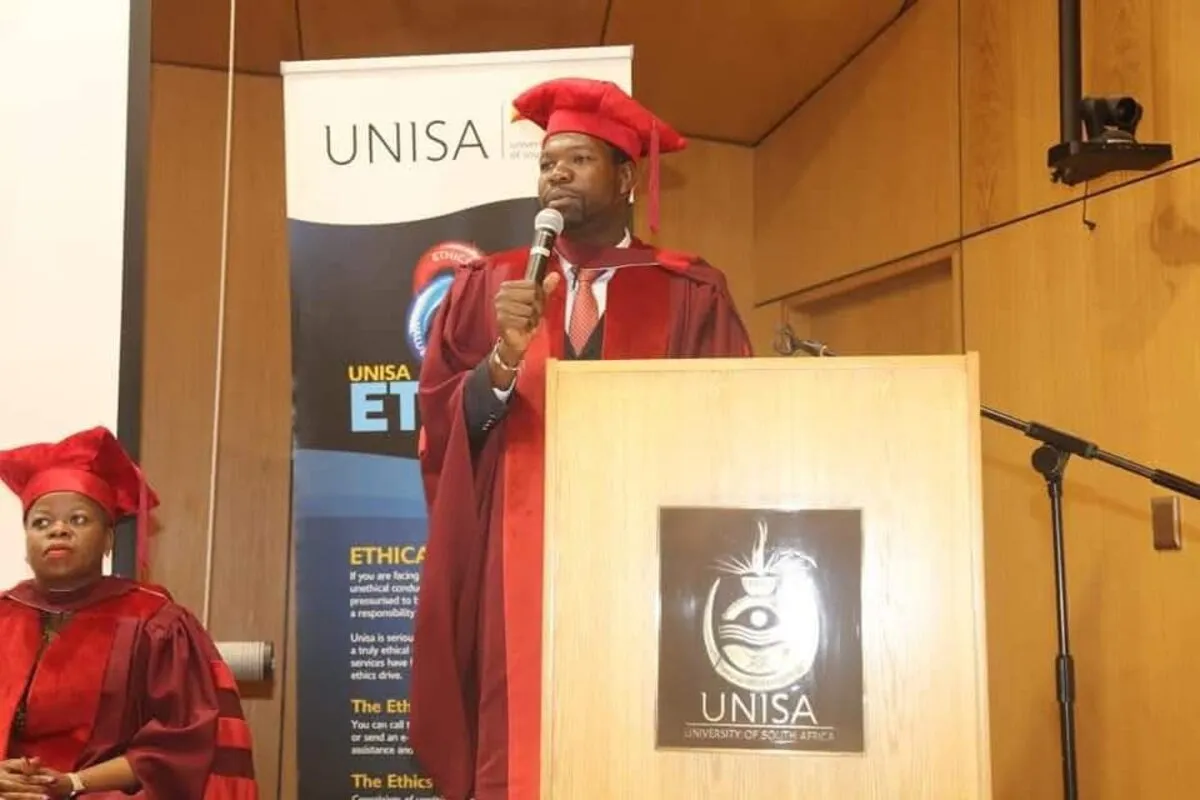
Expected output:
(547, 225)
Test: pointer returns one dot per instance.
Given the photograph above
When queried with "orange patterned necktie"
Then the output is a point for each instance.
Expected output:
(585, 313)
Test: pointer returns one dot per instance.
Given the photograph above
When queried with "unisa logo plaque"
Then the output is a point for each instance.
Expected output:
(760, 642)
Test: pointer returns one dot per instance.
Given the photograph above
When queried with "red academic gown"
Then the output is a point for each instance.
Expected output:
(476, 675)
(130, 673)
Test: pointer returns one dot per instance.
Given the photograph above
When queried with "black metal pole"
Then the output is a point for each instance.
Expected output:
(1073, 445)
(1070, 71)
(1051, 462)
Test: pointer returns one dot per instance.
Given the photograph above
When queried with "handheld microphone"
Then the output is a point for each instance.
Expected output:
(547, 225)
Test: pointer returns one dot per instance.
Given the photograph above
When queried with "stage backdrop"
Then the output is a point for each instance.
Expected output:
(397, 169)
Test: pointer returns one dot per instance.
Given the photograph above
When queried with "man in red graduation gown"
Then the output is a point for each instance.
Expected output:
(107, 687)
(475, 724)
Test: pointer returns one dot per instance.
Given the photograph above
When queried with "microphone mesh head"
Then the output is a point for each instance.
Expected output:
(548, 219)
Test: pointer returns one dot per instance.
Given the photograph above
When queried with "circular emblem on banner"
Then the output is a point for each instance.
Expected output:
(432, 276)
(762, 623)
(424, 306)
(442, 257)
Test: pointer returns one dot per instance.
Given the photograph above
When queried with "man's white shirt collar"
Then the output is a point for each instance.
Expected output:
(569, 268)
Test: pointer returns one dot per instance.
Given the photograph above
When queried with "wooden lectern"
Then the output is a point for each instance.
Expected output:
(775, 586)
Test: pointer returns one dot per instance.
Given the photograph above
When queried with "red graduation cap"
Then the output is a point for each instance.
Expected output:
(601, 109)
(92, 463)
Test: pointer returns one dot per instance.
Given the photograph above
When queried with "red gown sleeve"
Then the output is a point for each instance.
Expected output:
(712, 326)
(192, 742)
(725, 334)
(458, 486)
(460, 337)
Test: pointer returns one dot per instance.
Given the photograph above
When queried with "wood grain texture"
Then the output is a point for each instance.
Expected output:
(1010, 93)
(183, 255)
(386, 28)
(914, 311)
(897, 438)
(867, 170)
(707, 208)
(252, 535)
(1093, 332)
(726, 88)
(196, 33)
(253, 532)
(1009, 110)
(772, 54)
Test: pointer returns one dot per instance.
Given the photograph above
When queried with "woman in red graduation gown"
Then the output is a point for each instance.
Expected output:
(108, 688)
(476, 675)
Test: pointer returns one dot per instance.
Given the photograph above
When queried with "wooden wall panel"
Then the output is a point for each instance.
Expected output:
(1010, 109)
(866, 170)
(732, 93)
(707, 207)
(370, 28)
(183, 254)
(251, 545)
(1093, 332)
(728, 92)
(911, 311)
(1010, 118)
(196, 33)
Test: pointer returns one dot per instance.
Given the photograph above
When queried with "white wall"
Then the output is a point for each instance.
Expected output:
(62, 218)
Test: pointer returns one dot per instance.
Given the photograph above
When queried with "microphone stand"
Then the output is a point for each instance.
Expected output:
(1050, 461)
